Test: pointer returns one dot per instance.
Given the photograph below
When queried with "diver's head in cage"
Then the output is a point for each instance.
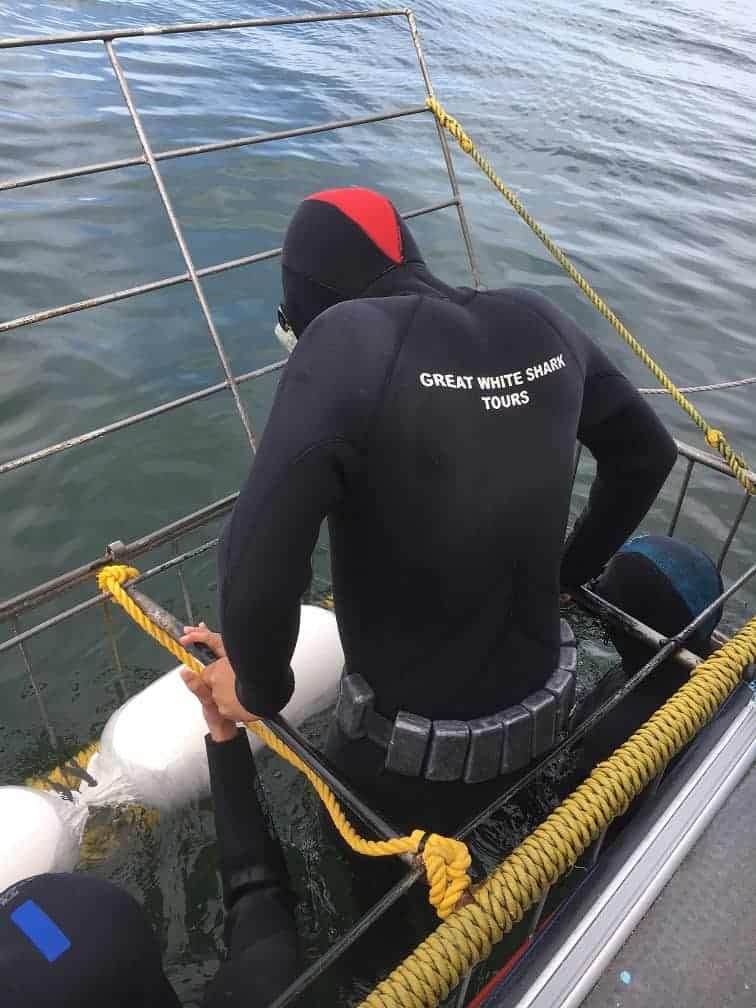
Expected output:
(343, 244)
(664, 583)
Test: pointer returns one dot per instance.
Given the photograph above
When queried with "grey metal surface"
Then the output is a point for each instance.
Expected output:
(695, 947)
(575, 953)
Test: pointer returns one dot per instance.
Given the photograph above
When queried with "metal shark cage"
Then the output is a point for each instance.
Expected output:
(24, 605)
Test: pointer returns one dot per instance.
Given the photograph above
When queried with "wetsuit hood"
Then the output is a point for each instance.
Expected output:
(69, 940)
(343, 244)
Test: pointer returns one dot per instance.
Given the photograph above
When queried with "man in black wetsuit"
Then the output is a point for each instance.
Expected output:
(435, 428)
(68, 940)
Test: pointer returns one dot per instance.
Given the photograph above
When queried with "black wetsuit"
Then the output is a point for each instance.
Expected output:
(69, 940)
(435, 428)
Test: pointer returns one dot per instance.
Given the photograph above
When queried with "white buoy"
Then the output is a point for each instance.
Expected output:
(153, 749)
(152, 752)
(40, 833)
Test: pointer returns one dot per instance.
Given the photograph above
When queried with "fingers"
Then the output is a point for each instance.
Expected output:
(199, 687)
(201, 635)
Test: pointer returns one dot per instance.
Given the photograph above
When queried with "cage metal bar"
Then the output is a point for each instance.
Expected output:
(183, 585)
(537, 912)
(121, 295)
(681, 496)
(464, 987)
(186, 28)
(114, 647)
(578, 455)
(316, 969)
(598, 606)
(445, 150)
(159, 537)
(172, 281)
(51, 734)
(179, 235)
(709, 460)
(735, 526)
(89, 603)
(207, 148)
(134, 418)
(595, 849)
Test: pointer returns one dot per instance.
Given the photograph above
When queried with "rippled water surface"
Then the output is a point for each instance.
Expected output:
(627, 129)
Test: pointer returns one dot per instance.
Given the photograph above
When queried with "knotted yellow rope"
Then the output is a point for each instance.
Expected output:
(465, 938)
(446, 860)
(715, 438)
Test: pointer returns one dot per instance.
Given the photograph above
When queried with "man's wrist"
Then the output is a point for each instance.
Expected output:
(225, 733)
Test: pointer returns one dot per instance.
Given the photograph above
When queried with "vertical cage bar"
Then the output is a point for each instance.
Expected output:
(184, 588)
(535, 917)
(446, 152)
(463, 989)
(53, 738)
(114, 648)
(735, 526)
(179, 235)
(595, 848)
(681, 497)
(578, 455)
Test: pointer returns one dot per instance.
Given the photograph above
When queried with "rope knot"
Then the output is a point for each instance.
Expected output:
(446, 862)
(714, 437)
(115, 574)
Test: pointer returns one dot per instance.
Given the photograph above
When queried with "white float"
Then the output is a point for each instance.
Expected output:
(41, 832)
(152, 753)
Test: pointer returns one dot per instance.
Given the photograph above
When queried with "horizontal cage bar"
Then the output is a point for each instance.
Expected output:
(209, 148)
(150, 31)
(172, 281)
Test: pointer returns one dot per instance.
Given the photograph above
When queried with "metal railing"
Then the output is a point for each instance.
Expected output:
(25, 603)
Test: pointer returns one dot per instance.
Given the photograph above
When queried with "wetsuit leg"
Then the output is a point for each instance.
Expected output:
(263, 953)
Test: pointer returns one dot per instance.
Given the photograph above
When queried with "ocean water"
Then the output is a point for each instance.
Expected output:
(626, 128)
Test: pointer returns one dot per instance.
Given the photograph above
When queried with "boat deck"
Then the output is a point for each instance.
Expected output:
(695, 946)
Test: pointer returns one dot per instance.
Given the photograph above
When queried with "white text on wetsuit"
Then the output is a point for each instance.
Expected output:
(494, 383)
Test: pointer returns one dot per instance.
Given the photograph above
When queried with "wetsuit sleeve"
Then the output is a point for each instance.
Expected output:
(634, 452)
(312, 441)
(260, 933)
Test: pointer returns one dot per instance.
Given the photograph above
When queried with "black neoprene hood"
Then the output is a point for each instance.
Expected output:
(338, 244)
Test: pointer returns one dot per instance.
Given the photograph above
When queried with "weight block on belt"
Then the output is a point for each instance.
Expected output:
(408, 745)
(447, 751)
(355, 700)
(484, 755)
(542, 708)
(561, 684)
(517, 738)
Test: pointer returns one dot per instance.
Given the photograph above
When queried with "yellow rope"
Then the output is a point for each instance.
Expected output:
(61, 774)
(446, 860)
(715, 438)
(465, 938)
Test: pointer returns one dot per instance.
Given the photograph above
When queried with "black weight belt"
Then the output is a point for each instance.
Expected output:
(472, 751)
